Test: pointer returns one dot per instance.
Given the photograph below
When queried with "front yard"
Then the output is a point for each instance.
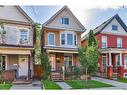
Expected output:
(48, 84)
(124, 80)
(80, 84)
(5, 86)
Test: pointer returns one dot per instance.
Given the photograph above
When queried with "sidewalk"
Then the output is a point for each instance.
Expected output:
(35, 85)
(64, 85)
(118, 85)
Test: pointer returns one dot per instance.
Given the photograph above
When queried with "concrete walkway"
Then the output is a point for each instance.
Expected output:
(64, 85)
(118, 85)
(35, 85)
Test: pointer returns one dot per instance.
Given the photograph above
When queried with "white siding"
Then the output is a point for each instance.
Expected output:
(108, 28)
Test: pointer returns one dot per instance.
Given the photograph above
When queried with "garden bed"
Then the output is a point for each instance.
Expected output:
(80, 84)
(50, 85)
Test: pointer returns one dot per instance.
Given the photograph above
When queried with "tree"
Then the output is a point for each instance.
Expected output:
(1, 71)
(2, 32)
(46, 65)
(37, 46)
(88, 55)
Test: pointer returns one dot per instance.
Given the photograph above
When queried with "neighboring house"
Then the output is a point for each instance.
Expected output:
(112, 38)
(16, 44)
(61, 36)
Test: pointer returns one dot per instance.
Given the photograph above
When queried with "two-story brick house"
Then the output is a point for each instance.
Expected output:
(112, 38)
(16, 44)
(61, 36)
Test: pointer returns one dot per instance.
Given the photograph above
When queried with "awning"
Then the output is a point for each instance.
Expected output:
(60, 51)
(14, 51)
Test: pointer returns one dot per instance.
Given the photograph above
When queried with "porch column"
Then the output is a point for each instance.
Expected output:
(120, 59)
(109, 67)
(110, 59)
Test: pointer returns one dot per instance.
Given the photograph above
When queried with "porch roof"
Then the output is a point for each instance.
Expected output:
(113, 50)
(23, 51)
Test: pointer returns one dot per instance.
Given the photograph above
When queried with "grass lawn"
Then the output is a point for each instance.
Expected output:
(48, 84)
(124, 80)
(5, 86)
(80, 84)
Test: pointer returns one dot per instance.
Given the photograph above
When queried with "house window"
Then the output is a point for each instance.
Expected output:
(69, 39)
(51, 39)
(104, 42)
(62, 39)
(117, 60)
(114, 27)
(125, 61)
(119, 42)
(65, 20)
(23, 36)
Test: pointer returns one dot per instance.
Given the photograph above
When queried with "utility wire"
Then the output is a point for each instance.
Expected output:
(35, 13)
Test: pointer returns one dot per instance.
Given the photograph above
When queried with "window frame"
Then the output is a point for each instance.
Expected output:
(63, 22)
(68, 32)
(27, 31)
(116, 27)
(54, 39)
(104, 37)
(120, 39)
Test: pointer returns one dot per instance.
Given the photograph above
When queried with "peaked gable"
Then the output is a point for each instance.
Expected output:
(14, 13)
(113, 20)
(106, 23)
(54, 21)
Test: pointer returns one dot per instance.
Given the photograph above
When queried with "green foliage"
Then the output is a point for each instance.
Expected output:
(46, 65)
(1, 71)
(88, 55)
(37, 46)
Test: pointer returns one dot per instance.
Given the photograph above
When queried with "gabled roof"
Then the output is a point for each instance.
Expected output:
(69, 11)
(99, 28)
(24, 13)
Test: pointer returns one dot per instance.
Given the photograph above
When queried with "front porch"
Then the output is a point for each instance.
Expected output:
(112, 63)
(62, 62)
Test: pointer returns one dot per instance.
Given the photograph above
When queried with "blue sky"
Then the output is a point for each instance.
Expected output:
(89, 17)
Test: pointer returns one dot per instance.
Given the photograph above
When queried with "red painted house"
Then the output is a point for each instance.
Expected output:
(112, 38)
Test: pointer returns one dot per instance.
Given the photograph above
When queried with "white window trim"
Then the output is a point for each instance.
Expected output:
(64, 17)
(120, 43)
(54, 39)
(102, 41)
(28, 31)
(125, 67)
(68, 32)
(116, 60)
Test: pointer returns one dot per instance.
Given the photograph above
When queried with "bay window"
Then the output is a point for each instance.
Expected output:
(68, 39)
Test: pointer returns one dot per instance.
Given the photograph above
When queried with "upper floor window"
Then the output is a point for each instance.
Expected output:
(65, 20)
(119, 42)
(68, 38)
(104, 42)
(114, 27)
(23, 36)
(51, 39)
